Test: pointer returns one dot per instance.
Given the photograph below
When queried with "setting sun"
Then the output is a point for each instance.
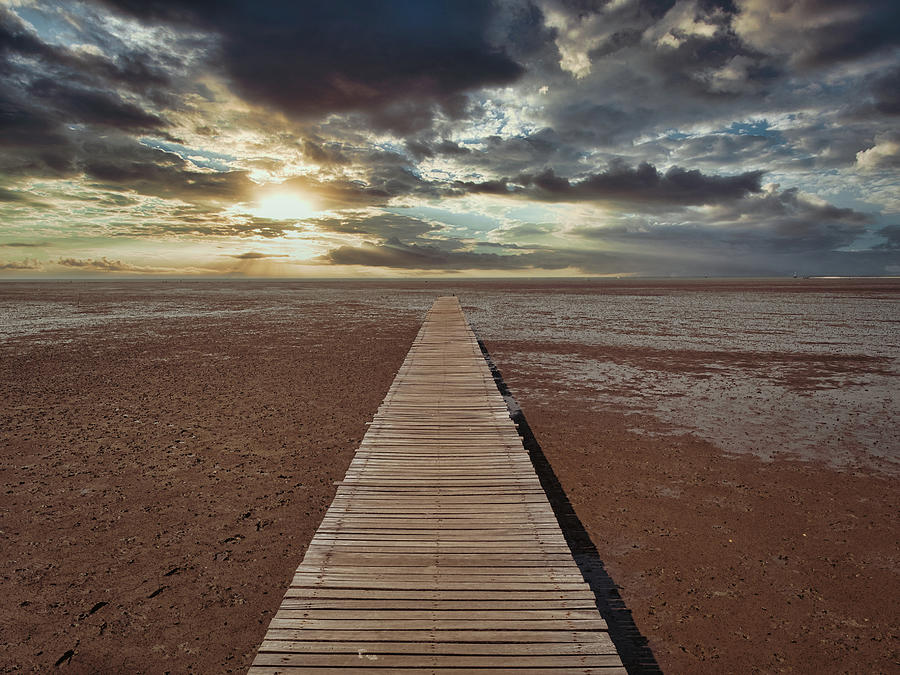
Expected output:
(282, 206)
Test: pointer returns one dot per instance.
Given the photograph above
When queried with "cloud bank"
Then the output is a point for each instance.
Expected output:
(456, 136)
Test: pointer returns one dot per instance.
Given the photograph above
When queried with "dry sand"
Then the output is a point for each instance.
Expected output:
(159, 493)
(159, 490)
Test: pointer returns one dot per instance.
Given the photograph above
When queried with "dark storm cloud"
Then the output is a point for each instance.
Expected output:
(815, 32)
(696, 64)
(63, 86)
(90, 106)
(34, 141)
(892, 234)
(695, 249)
(384, 226)
(886, 91)
(592, 123)
(673, 49)
(397, 255)
(776, 222)
(825, 35)
(132, 69)
(17, 197)
(315, 58)
(126, 165)
(324, 153)
(661, 66)
(719, 149)
(515, 155)
(787, 209)
(680, 258)
(620, 183)
(54, 101)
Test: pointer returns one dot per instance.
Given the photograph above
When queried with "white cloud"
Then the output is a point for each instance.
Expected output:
(885, 154)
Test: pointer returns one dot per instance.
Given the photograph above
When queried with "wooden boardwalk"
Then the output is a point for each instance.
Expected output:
(440, 551)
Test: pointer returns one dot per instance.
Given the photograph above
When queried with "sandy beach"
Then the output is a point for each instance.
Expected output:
(169, 450)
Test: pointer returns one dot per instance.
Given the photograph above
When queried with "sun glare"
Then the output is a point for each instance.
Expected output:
(282, 206)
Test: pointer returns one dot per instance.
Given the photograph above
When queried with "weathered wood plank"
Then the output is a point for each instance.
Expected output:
(599, 647)
(374, 669)
(337, 660)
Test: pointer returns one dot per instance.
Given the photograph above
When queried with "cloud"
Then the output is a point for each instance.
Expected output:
(205, 220)
(254, 255)
(687, 45)
(815, 33)
(92, 106)
(624, 136)
(102, 265)
(394, 254)
(775, 222)
(885, 154)
(54, 87)
(310, 59)
(892, 234)
(886, 91)
(682, 257)
(58, 104)
(583, 32)
(513, 155)
(384, 226)
(130, 68)
(28, 264)
(387, 175)
(19, 197)
(620, 183)
(118, 162)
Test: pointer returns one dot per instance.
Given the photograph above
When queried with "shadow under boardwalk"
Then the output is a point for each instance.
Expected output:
(633, 647)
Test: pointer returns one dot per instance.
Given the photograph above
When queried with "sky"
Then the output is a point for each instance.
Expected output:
(353, 138)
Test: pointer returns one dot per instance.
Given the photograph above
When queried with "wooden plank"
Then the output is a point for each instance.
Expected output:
(599, 647)
(431, 570)
(372, 668)
(427, 596)
(351, 624)
(366, 602)
(440, 551)
(449, 636)
(388, 660)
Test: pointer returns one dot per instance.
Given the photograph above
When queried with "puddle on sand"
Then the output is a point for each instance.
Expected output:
(742, 410)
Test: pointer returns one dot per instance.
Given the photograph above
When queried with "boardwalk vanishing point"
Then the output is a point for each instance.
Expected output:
(440, 551)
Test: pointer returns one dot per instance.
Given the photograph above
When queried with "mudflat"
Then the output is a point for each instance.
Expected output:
(169, 449)
(163, 476)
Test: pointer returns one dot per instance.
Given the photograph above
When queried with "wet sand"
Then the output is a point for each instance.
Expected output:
(728, 563)
(163, 474)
